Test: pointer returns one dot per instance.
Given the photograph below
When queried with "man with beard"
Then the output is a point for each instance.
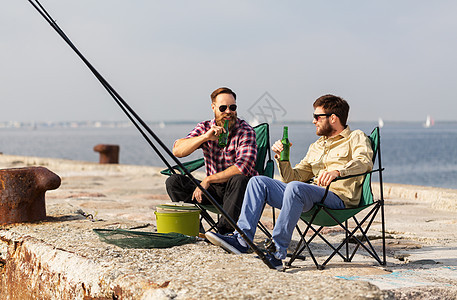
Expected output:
(338, 152)
(228, 169)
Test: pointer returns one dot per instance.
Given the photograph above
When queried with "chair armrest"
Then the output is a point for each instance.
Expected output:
(356, 175)
(190, 166)
(346, 177)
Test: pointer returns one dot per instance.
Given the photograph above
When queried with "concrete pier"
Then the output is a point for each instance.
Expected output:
(62, 258)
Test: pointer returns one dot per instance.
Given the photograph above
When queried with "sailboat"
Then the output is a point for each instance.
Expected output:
(429, 122)
(380, 123)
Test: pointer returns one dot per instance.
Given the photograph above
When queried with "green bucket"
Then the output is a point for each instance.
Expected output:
(185, 222)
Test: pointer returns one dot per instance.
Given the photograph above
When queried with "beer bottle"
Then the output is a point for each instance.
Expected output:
(223, 137)
(286, 144)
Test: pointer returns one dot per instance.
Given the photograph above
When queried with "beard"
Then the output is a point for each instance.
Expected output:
(221, 118)
(325, 129)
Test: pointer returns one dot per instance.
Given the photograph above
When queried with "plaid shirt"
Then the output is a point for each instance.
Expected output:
(241, 149)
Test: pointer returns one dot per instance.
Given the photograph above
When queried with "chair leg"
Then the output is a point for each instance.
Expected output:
(299, 248)
(372, 252)
(383, 233)
(350, 235)
(297, 253)
(317, 233)
(303, 240)
(347, 244)
(211, 227)
(364, 234)
(264, 229)
(204, 215)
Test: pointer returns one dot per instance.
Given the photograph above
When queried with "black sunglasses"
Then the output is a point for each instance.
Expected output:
(223, 108)
(316, 116)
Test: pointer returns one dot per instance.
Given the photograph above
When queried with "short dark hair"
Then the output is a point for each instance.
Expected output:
(334, 105)
(222, 90)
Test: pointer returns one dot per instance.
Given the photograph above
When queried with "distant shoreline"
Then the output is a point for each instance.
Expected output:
(162, 123)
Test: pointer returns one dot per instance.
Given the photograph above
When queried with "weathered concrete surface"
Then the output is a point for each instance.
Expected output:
(61, 258)
(439, 198)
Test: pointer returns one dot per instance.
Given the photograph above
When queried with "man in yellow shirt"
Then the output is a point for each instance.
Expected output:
(338, 152)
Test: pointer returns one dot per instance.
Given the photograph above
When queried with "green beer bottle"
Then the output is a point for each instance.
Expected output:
(223, 137)
(286, 144)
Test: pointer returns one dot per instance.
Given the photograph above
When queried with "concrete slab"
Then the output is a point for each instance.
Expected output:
(63, 258)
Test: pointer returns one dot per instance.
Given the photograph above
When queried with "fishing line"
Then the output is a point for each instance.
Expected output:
(134, 118)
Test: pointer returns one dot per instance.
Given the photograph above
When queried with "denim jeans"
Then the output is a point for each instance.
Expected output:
(292, 199)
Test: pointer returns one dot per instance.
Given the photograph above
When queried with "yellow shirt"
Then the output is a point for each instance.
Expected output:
(349, 152)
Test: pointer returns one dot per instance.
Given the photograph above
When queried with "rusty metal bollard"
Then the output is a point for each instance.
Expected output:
(109, 154)
(22, 193)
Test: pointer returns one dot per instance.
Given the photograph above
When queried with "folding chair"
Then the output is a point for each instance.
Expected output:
(262, 165)
(322, 216)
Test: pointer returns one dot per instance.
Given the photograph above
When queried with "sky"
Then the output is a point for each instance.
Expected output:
(389, 59)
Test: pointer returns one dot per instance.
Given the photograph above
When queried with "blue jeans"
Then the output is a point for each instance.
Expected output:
(292, 199)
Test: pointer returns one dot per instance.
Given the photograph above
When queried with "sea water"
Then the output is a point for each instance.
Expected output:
(411, 153)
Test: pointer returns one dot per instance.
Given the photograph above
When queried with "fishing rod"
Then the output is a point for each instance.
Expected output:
(117, 98)
(135, 119)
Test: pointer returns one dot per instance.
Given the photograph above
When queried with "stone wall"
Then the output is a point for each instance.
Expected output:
(34, 270)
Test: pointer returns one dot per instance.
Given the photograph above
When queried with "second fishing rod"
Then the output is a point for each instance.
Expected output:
(134, 117)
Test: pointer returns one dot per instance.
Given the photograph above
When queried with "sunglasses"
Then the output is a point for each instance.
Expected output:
(316, 116)
(223, 108)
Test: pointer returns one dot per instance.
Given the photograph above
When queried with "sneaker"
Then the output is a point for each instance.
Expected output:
(275, 263)
(228, 242)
